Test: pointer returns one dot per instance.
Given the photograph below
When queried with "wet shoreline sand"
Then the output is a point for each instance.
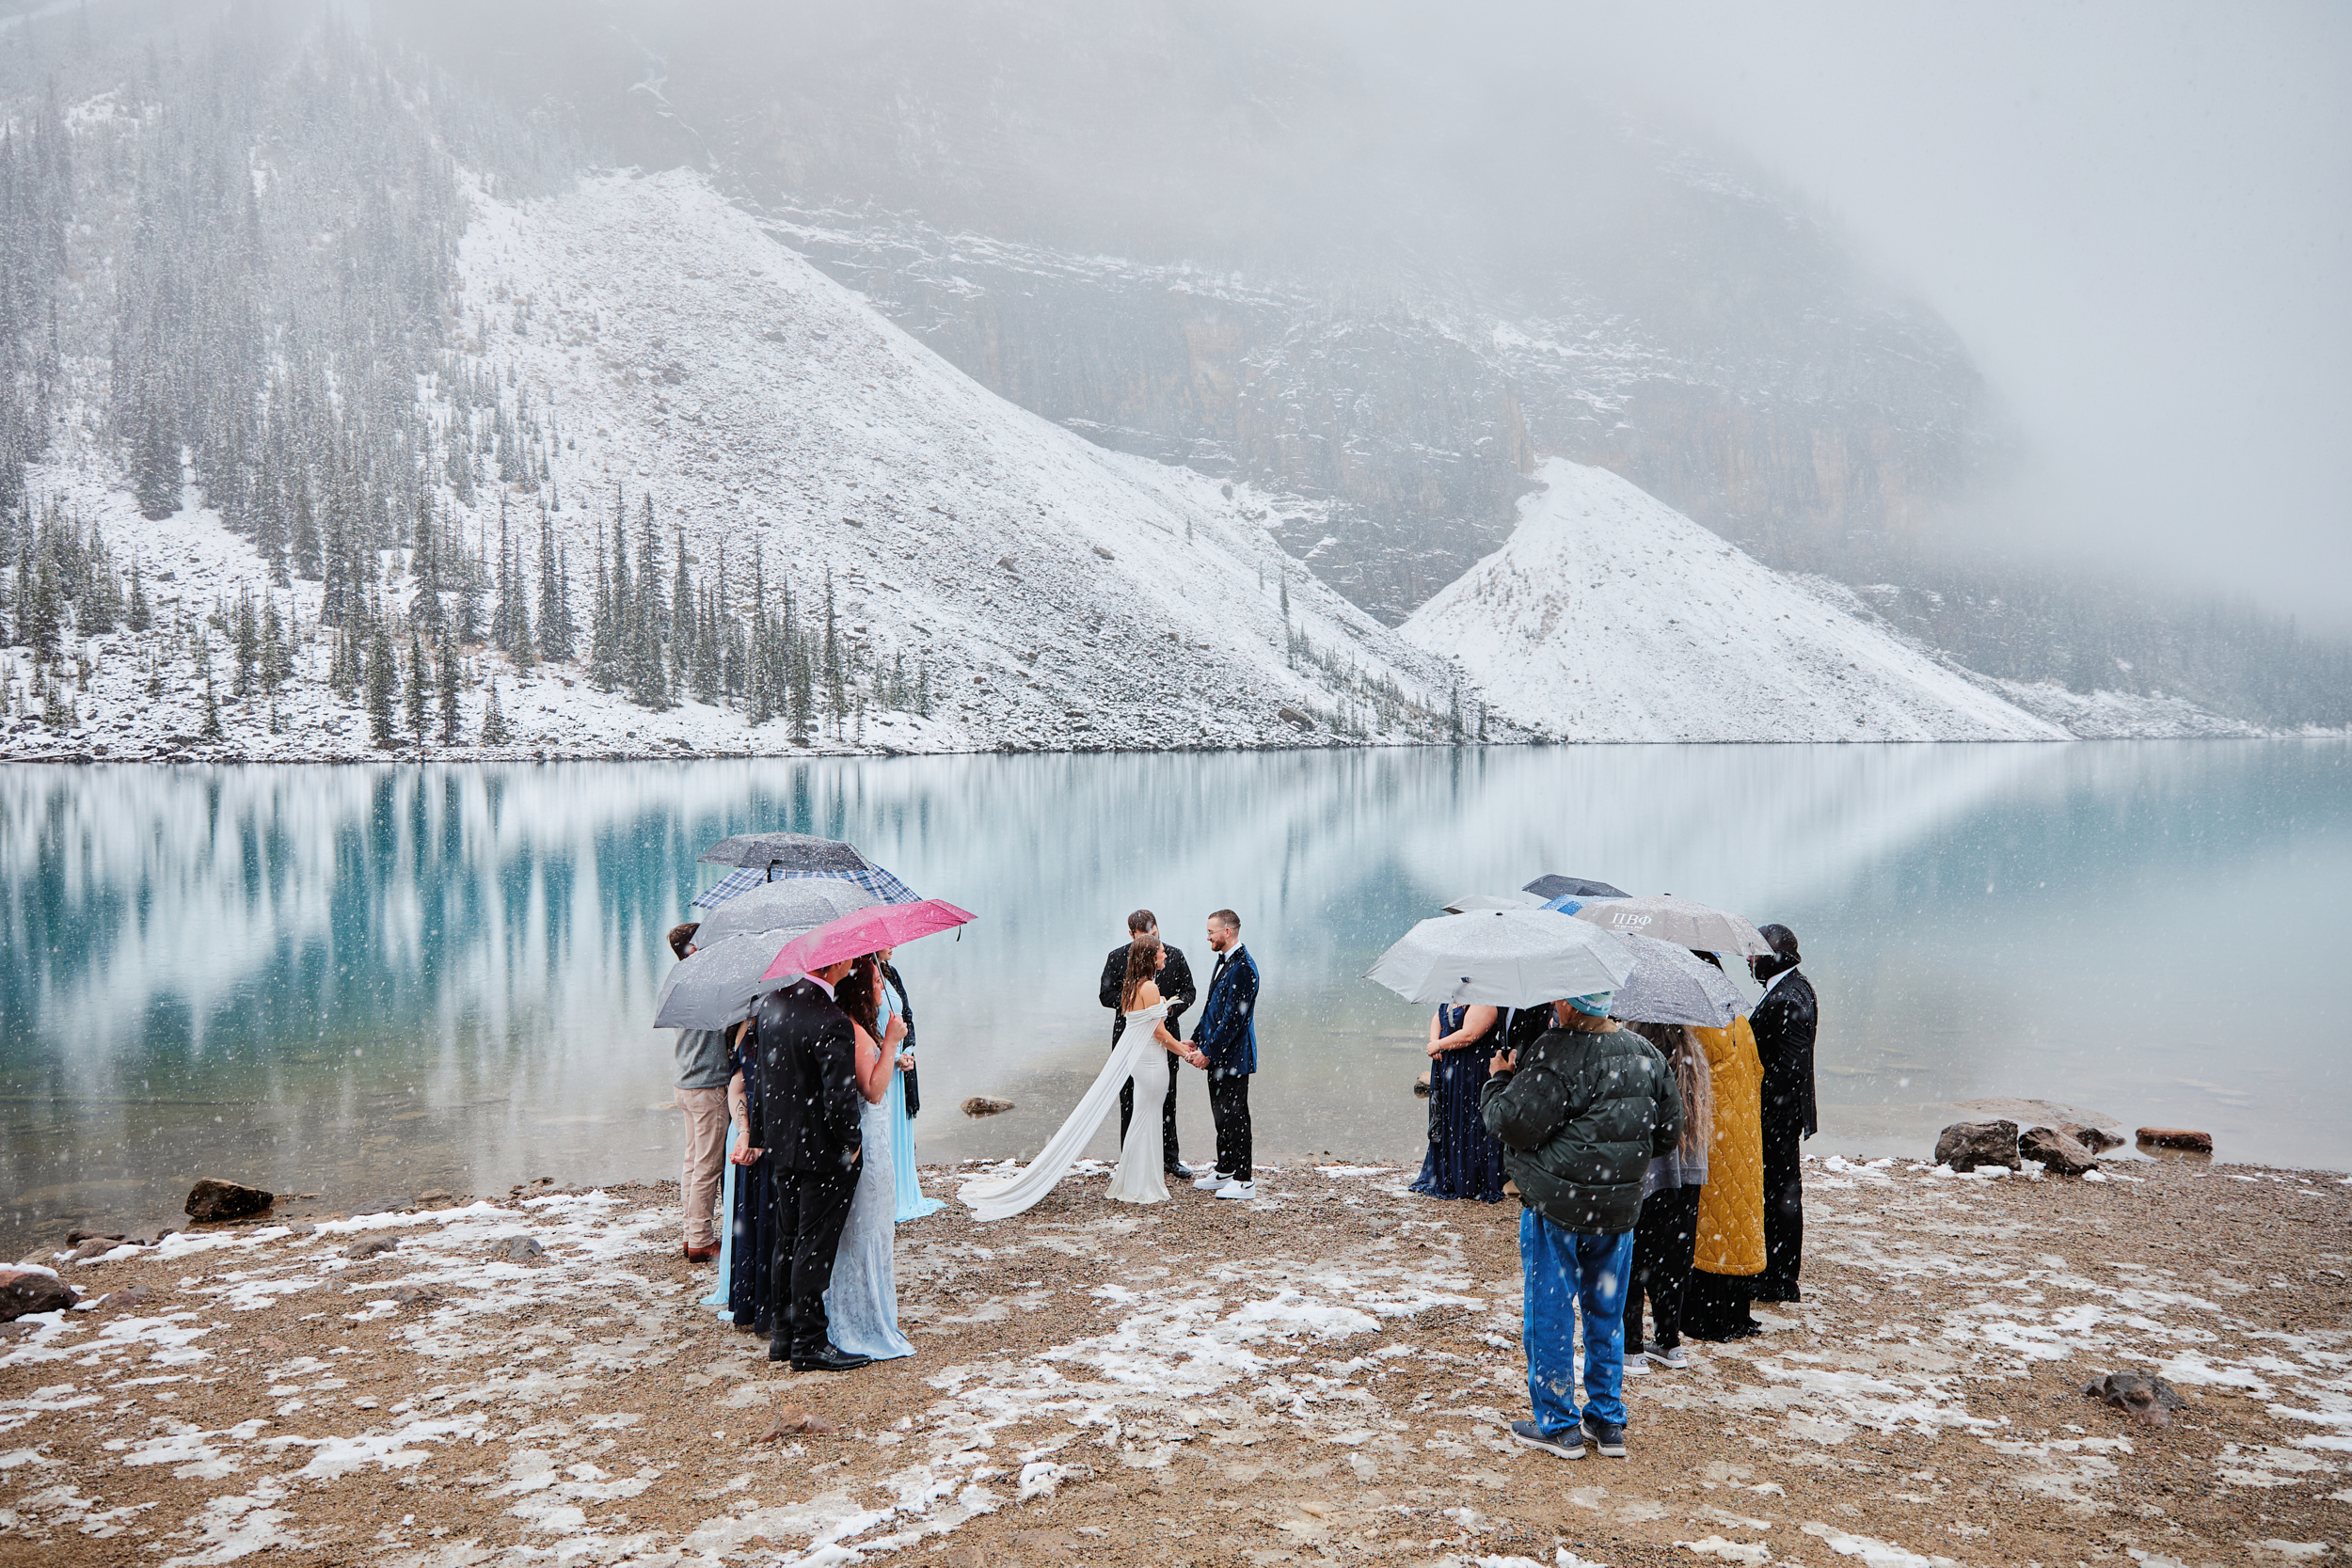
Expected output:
(1323, 1375)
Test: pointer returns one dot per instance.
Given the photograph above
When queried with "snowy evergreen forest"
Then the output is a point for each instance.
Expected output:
(277, 222)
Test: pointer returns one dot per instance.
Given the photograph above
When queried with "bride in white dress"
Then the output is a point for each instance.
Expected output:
(1143, 1055)
(862, 1303)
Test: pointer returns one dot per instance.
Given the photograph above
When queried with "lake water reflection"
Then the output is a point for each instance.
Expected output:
(379, 980)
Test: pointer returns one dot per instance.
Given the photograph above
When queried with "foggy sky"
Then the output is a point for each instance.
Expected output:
(2135, 215)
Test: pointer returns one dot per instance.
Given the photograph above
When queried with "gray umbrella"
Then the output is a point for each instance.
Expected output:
(791, 851)
(715, 986)
(1502, 959)
(1680, 921)
(1674, 985)
(794, 906)
(1470, 902)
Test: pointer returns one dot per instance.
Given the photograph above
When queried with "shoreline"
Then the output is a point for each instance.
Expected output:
(481, 756)
(1322, 1375)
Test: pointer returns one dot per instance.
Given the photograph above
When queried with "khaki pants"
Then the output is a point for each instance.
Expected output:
(706, 1160)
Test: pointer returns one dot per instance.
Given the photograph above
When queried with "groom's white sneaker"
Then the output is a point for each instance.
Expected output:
(1238, 1190)
(1212, 1182)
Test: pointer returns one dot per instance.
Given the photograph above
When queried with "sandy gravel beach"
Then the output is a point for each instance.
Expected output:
(1321, 1376)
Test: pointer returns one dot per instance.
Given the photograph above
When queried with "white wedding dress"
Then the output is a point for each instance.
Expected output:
(1139, 1177)
(862, 1303)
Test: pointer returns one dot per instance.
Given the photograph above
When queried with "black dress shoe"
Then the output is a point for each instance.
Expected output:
(828, 1360)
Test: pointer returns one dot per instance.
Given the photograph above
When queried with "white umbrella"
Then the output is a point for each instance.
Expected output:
(1502, 959)
(1680, 921)
(799, 905)
(1473, 901)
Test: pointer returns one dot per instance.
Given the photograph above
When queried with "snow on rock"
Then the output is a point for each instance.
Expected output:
(2123, 715)
(1610, 616)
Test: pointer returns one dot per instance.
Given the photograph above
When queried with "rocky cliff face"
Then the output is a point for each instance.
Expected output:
(1413, 422)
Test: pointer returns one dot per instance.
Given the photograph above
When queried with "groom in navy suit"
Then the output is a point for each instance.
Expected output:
(1228, 1035)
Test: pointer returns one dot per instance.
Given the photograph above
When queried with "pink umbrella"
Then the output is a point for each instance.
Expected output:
(863, 932)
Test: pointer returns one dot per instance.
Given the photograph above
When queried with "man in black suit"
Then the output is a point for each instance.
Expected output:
(1176, 985)
(1784, 1022)
(806, 1114)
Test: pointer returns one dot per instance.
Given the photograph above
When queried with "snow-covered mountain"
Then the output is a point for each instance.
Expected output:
(1053, 593)
(1610, 616)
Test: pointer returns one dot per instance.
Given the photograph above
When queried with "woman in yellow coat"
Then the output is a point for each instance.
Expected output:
(1729, 1250)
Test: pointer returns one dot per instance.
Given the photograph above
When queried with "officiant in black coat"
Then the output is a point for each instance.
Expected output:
(1784, 1022)
(1175, 981)
(804, 1113)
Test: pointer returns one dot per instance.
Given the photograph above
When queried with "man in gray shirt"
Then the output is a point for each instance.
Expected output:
(702, 1070)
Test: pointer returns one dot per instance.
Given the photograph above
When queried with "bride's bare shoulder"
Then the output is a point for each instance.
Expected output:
(1147, 995)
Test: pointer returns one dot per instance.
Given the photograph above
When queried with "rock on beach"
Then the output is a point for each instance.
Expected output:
(2177, 1137)
(2059, 1154)
(212, 1199)
(25, 1292)
(1966, 1145)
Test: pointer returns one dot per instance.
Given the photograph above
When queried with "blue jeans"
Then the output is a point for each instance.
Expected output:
(1564, 1269)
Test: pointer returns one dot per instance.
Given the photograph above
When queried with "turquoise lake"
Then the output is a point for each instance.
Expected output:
(372, 981)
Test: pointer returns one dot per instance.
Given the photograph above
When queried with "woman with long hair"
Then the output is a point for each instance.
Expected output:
(1666, 1237)
(1140, 1058)
(1141, 1177)
(862, 1304)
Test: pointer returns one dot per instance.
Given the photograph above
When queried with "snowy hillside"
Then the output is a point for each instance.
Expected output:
(1050, 593)
(1610, 616)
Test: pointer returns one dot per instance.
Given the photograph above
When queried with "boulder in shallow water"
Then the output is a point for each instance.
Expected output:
(2096, 1139)
(986, 1105)
(211, 1200)
(1966, 1145)
(2177, 1137)
(26, 1291)
(2059, 1154)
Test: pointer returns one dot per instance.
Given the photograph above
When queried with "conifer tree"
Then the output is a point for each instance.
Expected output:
(247, 643)
(649, 680)
(502, 618)
(304, 544)
(836, 682)
(447, 659)
(155, 475)
(211, 713)
(277, 658)
(493, 720)
(518, 647)
(604, 647)
(383, 682)
(555, 612)
(420, 690)
(684, 620)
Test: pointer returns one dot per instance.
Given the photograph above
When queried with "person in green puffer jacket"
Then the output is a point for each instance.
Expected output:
(1579, 1119)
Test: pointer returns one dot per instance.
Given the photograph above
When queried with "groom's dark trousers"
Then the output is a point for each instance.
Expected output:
(805, 1111)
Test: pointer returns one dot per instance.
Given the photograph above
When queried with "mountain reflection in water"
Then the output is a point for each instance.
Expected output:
(368, 981)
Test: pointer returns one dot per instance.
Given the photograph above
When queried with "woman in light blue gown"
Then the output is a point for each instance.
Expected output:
(862, 1303)
(912, 1204)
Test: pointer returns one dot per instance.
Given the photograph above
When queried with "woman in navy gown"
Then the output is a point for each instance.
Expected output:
(751, 1243)
(1464, 1159)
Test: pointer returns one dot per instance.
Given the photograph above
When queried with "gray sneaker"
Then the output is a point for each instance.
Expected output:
(1673, 1360)
(1608, 1437)
(1566, 1444)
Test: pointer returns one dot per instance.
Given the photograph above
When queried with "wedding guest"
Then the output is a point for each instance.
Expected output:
(1464, 1160)
(1666, 1237)
(1730, 1251)
(904, 1104)
(1228, 1035)
(703, 1067)
(862, 1298)
(749, 1302)
(804, 1112)
(1175, 983)
(1784, 1022)
(1580, 1116)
